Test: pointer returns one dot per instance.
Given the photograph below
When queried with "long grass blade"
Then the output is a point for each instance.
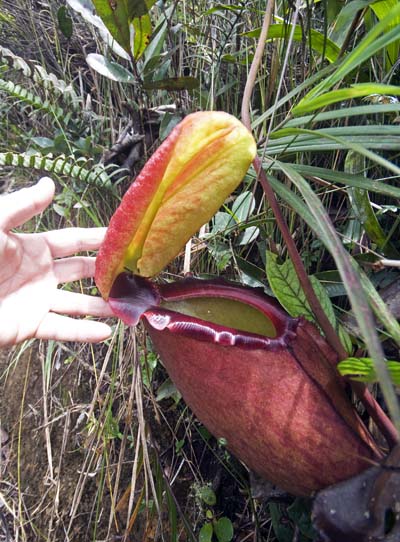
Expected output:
(352, 283)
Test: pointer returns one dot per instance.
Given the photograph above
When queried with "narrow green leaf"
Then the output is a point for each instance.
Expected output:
(357, 90)
(345, 112)
(346, 142)
(141, 34)
(327, 233)
(340, 177)
(362, 370)
(346, 17)
(222, 7)
(155, 47)
(108, 68)
(382, 8)
(173, 83)
(362, 208)
(318, 41)
(372, 42)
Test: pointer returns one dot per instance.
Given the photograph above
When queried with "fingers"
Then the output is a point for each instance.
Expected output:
(18, 207)
(71, 240)
(76, 304)
(62, 328)
(74, 268)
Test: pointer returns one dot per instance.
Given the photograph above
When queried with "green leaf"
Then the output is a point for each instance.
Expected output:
(221, 222)
(318, 41)
(108, 68)
(115, 16)
(206, 532)
(374, 41)
(168, 123)
(379, 307)
(381, 9)
(223, 529)
(155, 47)
(348, 179)
(345, 112)
(167, 390)
(361, 205)
(362, 370)
(249, 235)
(221, 252)
(287, 289)
(374, 299)
(351, 279)
(345, 18)
(64, 22)
(141, 34)
(207, 495)
(138, 8)
(243, 206)
(222, 7)
(173, 83)
(148, 364)
(360, 144)
(43, 142)
(357, 90)
(86, 9)
(300, 513)
(282, 528)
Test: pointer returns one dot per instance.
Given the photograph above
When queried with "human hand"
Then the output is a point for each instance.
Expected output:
(33, 265)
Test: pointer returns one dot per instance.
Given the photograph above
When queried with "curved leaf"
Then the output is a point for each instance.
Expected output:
(108, 68)
(286, 286)
(141, 34)
(318, 41)
(362, 370)
(351, 280)
(115, 16)
(358, 90)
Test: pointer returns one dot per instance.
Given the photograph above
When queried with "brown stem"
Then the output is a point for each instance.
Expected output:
(374, 410)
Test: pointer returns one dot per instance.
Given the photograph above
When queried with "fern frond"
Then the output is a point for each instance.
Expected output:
(23, 95)
(39, 75)
(61, 165)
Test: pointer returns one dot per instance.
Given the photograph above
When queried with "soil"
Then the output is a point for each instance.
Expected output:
(54, 431)
(47, 497)
(49, 491)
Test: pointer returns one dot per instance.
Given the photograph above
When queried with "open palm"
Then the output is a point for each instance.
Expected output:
(32, 266)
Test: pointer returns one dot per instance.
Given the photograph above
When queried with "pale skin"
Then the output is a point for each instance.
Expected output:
(32, 268)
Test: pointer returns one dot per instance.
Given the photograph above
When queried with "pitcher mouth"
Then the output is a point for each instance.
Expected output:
(215, 311)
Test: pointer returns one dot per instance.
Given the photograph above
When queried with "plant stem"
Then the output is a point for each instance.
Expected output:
(374, 410)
